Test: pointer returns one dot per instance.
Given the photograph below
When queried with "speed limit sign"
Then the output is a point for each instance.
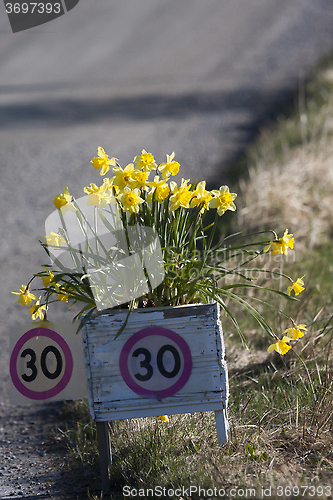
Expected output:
(46, 363)
(167, 360)
(155, 362)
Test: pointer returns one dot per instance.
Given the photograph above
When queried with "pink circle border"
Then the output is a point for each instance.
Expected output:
(42, 395)
(146, 332)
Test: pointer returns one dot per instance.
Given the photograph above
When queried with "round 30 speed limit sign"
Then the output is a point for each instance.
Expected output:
(155, 362)
(41, 364)
(46, 363)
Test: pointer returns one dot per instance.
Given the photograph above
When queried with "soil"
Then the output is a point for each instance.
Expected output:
(33, 464)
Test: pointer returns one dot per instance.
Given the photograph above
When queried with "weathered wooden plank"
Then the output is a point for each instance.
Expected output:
(139, 412)
(110, 398)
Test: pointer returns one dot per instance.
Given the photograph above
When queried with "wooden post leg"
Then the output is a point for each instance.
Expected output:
(104, 449)
(222, 426)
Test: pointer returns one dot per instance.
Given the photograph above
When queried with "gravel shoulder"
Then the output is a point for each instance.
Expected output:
(33, 465)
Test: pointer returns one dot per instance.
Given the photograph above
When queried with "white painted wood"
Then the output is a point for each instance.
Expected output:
(222, 426)
(207, 388)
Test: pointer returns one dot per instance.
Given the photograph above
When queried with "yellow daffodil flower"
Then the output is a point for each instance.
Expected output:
(47, 280)
(170, 167)
(63, 202)
(140, 180)
(280, 346)
(38, 310)
(181, 196)
(63, 297)
(295, 332)
(55, 239)
(160, 188)
(200, 195)
(145, 161)
(62, 199)
(103, 162)
(99, 196)
(162, 192)
(281, 245)
(163, 418)
(95, 194)
(123, 177)
(223, 200)
(297, 286)
(130, 199)
(109, 183)
(25, 297)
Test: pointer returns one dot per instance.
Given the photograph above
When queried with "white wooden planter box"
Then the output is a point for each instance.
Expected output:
(167, 360)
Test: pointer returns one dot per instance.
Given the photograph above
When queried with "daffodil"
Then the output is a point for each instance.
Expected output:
(63, 202)
(295, 332)
(163, 418)
(99, 196)
(145, 161)
(281, 245)
(162, 192)
(130, 199)
(280, 346)
(54, 239)
(123, 177)
(38, 310)
(25, 297)
(140, 180)
(109, 184)
(170, 167)
(200, 195)
(223, 200)
(47, 280)
(103, 162)
(181, 196)
(63, 297)
(94, 193)
(296, 286)
(160, 188)
(62, 199)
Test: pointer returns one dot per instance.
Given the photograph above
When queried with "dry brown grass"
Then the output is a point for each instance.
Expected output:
(293, 189)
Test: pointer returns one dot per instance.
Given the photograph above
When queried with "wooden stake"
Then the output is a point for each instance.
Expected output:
(104, 449)
(222, 427)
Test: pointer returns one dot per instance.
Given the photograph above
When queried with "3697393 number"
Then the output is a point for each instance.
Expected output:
(33, 7)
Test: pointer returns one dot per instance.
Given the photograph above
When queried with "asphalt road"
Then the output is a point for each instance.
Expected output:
(191, 76)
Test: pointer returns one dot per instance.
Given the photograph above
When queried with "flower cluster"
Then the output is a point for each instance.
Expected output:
(281, 245)
(38, 310)
(131, 188)
(293, 333)
(144, 193)
(26, 297)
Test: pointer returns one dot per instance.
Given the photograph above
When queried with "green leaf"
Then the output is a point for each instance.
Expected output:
(123, 326)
